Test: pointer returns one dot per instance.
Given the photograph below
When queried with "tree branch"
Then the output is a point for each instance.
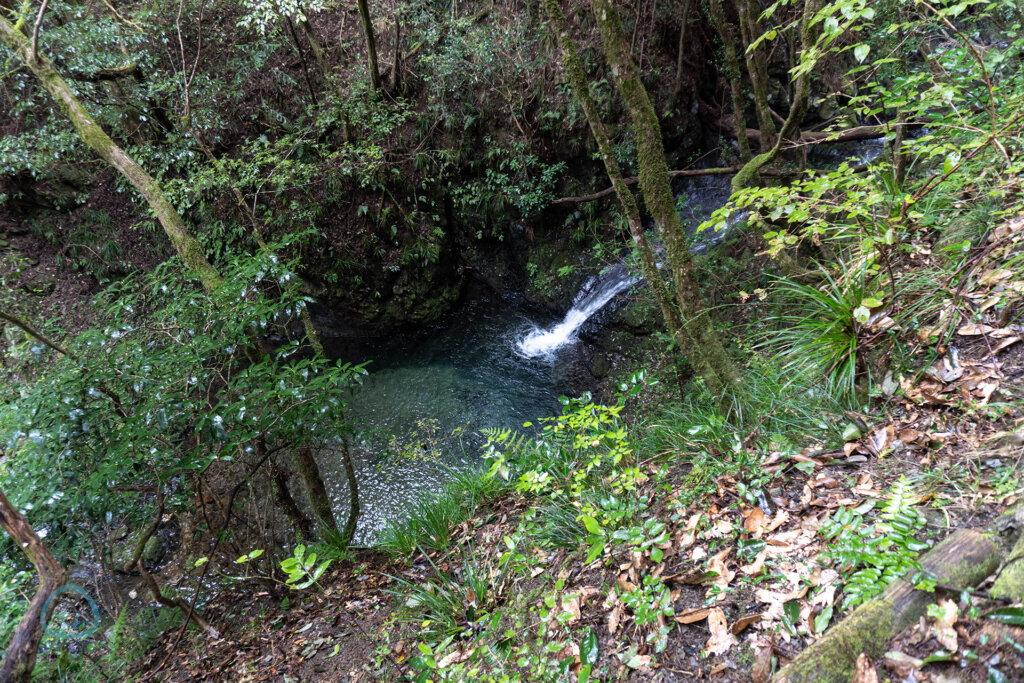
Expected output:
(35, 29)
(33, 332)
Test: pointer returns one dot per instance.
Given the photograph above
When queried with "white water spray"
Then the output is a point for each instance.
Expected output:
(540, 342)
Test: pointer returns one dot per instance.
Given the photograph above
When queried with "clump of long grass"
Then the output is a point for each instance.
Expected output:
(452, 602)
(431, 520)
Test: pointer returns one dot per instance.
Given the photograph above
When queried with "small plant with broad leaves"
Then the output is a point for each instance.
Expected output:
(302, 569)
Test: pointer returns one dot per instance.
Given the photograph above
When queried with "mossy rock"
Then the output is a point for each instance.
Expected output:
(641, 317)
(41, 285)
(600, 366)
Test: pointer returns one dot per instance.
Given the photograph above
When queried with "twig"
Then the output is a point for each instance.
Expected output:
(35, 30)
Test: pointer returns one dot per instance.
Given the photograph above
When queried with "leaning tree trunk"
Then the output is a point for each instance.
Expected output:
(757, 68)
(371, 43)
(704, 349)
(578, 80)
(962, 561)
(21, 652)
(92, 135)
(187, 246)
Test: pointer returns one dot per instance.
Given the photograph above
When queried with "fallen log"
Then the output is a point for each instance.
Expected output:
(963, 560)
(1009, 583)
(686, 173)
(811, 137)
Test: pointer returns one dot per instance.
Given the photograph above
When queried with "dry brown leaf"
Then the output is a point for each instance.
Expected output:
(879, 440)
(943, 628)
(762, 669)
(864, 671)
(974, 329)
(1009, 341)
(692, 615)
(614, 618)
(724, 574)
(753, 521)
(757, 566)
(990, 277)
(743, 622)
(984, 390)
(625, 585)
(572, 607)
(455, 657)
(902, 664)
(721, 638)
(780, 518)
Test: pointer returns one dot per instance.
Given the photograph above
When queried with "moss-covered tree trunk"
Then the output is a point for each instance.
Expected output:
(962, 561)
(732, 74)
(92, 135)
(21, 651)
(371, 43)
(581, 88)
(757, 68)
(798, 109)
(309, 471)
(704, 348)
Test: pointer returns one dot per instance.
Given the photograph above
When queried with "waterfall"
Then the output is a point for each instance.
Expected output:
(590, 300)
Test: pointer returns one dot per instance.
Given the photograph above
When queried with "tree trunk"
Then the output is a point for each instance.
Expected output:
(578, 80)
(733, 75)
(284, 498)
(319, 54)
(757, 68)
(353, 493)
(309, 471)
(801, 96)
(371, 43)
(92, 135)
(963, 560)
(683, 19)
(21, 652)
(704, 348)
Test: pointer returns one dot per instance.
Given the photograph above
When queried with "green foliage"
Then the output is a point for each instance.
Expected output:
(818, 333)
(871, 556)
(457, 603)
(166, 396)
(302, 569)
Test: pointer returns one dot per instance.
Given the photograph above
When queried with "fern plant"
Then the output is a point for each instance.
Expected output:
(871, 556)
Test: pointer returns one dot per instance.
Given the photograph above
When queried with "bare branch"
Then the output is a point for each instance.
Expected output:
(35, 29)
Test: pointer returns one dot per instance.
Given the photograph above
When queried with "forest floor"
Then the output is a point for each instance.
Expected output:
(750, 584)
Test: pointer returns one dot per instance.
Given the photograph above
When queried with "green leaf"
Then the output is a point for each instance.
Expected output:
(861, 52)
(871, 302)
(657, 554)
(592, 525)
(792, 610)
(822, 620)
(589, 648)
(1013, 616)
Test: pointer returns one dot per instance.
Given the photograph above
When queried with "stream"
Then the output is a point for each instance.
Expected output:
(492, 363)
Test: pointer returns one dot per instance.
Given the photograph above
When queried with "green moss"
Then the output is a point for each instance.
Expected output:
(832, 659)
